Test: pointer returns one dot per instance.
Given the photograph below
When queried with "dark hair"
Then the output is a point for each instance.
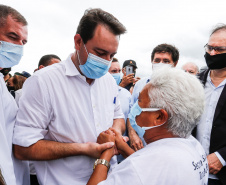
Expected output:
(46, 59)
(5, 11)
(218, 27)
(114, 60)
(93, 17)
(166, 48)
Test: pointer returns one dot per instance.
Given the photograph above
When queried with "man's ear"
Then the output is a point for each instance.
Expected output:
(175, 63)
(40, 67)
(162, 117)
(78, 41)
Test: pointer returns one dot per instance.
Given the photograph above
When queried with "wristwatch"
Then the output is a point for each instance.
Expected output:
(101, 161)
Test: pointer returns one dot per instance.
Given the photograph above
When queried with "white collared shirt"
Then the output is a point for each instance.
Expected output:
(125, 100)
(212, 95)
(138, 88)
(58, 104)
(13, 170)
(8, 111)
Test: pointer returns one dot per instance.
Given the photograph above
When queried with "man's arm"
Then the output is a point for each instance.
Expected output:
(134, 139)
(119, 125)
(51, 150)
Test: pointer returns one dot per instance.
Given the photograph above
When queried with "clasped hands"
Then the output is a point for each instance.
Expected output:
(120, 145)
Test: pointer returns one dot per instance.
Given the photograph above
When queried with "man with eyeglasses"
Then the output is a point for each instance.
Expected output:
(211, 131)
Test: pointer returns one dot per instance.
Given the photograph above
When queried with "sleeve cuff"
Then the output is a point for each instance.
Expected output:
(220, 158)
(26, 136)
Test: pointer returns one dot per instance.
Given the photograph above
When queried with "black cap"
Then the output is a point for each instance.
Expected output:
(129, 62)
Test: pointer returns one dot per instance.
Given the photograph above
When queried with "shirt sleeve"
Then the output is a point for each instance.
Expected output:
(124, 173)
(34, 113)
(220, 158)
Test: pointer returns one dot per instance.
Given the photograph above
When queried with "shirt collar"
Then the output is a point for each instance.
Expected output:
(70, 68)
(209, 81)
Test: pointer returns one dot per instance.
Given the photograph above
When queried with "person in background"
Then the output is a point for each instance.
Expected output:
(15, 84)
(13, 36)
(166, 112)
(64, 107)
(129, 80)
(211, 130)
(48, 60)
(162, 55)
(124, 95)
(191, 68)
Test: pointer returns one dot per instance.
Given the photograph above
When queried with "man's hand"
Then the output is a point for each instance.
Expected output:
(135, 141)
(214, 163)
(126, 80)
(94, 149)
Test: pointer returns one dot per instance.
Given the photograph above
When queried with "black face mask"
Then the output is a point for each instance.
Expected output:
(10, 88)
(5, 71)
(215, 61)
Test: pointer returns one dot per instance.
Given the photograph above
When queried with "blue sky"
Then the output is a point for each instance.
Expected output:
(185, 24)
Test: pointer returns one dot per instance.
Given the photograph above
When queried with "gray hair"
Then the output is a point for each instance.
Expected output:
(181, 95)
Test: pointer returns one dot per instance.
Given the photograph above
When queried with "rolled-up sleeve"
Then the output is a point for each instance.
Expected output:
(34, 113)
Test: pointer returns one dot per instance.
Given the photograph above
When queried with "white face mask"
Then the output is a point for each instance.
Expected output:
(156, 66)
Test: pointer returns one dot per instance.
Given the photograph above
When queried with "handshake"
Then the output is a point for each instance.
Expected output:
(117, 142)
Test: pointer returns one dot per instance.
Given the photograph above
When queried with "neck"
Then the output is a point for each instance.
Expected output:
(157, 133)
(217, 76)
(75, 60)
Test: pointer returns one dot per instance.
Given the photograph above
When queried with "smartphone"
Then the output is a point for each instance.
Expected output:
(129, 70)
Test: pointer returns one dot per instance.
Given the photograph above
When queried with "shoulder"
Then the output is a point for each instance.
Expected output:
(124, 91)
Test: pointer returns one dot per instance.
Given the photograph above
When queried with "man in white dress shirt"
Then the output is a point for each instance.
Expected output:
(13, 35)
(64, 107)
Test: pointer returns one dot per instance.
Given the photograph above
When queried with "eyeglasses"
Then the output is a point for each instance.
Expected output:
(218, 49)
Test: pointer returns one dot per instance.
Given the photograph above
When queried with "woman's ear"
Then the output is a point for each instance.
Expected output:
(77, 41)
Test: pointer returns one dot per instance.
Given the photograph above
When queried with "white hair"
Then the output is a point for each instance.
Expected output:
(181, 95)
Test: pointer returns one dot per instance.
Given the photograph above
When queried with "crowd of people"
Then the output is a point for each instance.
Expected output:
(78, 121)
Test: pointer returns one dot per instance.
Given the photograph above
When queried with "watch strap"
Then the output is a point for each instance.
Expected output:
(103, 162)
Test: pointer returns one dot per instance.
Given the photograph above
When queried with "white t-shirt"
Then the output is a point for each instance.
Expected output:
(171, 161)
(58, 104)
(10, 167)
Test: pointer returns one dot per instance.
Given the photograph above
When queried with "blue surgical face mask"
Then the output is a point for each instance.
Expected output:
(117, 77)
(10, 54)
(136, 111)
(95, 67)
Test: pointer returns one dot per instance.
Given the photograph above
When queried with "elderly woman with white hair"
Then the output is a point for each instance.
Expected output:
(167, 110)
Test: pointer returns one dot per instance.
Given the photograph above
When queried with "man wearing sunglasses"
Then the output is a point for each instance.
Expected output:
(211, 131)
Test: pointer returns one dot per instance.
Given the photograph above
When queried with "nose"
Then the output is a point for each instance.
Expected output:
(213, 52)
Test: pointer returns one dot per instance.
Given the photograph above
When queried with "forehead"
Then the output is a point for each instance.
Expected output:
(104, 39)
(54, 60)
(115, 65)
(164, 55)
(189, 66)
(11, 26)
(218, 38)
(143, 96)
